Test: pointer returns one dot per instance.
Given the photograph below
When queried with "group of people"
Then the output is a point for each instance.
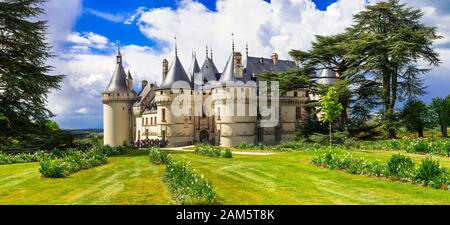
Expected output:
(147, 143)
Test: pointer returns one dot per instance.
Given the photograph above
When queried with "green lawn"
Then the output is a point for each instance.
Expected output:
(124, 180)
(284, 178)
(289, 178)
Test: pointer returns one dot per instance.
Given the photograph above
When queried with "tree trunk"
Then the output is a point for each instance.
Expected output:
(444, 131)
(420, 131)
(331, 143)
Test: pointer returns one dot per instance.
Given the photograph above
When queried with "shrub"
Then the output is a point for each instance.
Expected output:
(377, 169)
(429, 170)
(400, 166)
(73, 161)
(112, 151)
(157, 157)
(53, 169)
(428, 173)
(187, 186)
(227, 154)
(212, 151)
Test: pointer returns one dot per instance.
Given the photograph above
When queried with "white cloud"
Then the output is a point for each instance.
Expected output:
(116, 18)
(61, 16)
(84, 41)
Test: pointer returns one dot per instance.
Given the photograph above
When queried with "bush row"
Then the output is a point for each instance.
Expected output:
(212, 151)
(399, 167)
(6, 158)
(422, 146)
(112, 151)
(74, 161)
(187, 186)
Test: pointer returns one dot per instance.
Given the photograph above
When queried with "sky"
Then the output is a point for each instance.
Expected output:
(84, 35)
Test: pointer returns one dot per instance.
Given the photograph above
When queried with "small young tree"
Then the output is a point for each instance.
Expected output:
(441, 108)
(414, 116)
(332, 108)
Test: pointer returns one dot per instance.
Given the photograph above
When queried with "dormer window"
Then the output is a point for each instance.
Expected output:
(261, 61)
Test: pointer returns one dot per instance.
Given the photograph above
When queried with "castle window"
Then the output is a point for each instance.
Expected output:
(156, 121)
(146, 121)
(123, 108)
(218, 113)
(142, 121)
(161, 92)
(295, 94)
(298, 113)
(163, 112)
(146, 133)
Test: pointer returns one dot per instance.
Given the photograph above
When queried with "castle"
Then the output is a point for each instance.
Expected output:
(204, 94)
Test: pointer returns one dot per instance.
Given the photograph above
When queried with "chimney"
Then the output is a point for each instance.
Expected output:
(238, 64)
(165, 69)
(144, 84)
(274, 58)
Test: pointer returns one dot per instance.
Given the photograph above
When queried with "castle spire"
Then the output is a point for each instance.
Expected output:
(206, 50)
(211, 53)
(232, 37)
(246, 49)
(176, 47)
(119, 55)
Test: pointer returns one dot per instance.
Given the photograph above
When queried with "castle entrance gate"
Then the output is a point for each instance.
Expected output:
(204, 136)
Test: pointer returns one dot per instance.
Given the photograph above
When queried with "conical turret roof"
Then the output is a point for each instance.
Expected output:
(176, 73)
(228, 74)
(193, 68)
(118, 80)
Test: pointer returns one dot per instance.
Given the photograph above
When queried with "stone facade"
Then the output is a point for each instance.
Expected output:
(131, 116)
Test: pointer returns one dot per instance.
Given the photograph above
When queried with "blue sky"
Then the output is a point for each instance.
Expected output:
(84, 33)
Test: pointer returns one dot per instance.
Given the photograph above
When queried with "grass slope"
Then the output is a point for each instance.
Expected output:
(289, 178)
(129, 179)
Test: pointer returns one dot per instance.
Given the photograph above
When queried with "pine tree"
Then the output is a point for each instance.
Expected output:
(24, 77)
(391, 39)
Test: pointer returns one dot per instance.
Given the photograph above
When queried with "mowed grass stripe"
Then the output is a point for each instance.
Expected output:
(126, 179)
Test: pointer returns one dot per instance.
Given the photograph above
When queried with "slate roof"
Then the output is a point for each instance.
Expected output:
(176, 73)
(258, 65)
(118, 83)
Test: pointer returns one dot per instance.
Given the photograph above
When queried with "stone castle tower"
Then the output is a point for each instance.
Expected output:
(117, 100)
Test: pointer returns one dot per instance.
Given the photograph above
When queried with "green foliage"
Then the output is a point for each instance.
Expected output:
(112, 151)
(400, 166)
(288, 80)
(391, 39)
(415, 116)
(212, 151)
(441, 108)
(158, 157)
(227, 153)
(24, 77)
(422, 146)
(331, 107)
(188, 187)
(72, 162)
(429, 172)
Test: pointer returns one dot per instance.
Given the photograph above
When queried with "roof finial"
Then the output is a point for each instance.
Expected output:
(246, 49)
(176, 47)
(211, 54)
(232, 37)
(118, 47)
(206, 50)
